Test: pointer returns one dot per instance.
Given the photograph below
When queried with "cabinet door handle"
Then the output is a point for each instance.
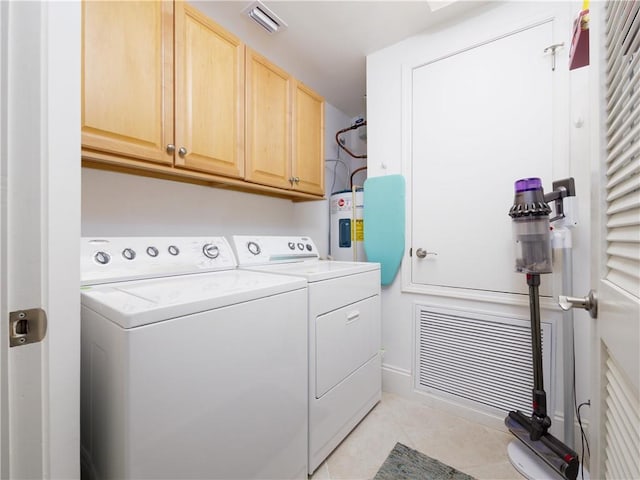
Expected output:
(182, 152)
(353, 316)
(171, 148)
(296, 179)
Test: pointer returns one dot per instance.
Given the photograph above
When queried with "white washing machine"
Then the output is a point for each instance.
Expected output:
(191, 368)
(345, 380)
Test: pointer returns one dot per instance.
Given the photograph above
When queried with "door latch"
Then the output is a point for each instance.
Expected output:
(27, 326)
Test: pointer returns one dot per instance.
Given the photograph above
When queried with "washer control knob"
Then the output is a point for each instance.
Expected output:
(102, 258)
(152, 251)
(309, 247)
(129, 253)
(254, 248)
(300, 246)
(292, 246)
(211, 251)
(173, 250)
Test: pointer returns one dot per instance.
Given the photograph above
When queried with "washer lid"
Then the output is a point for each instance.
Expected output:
(318, 270)
(136, 303)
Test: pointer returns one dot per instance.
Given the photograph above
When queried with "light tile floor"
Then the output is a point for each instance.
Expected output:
(472, 448)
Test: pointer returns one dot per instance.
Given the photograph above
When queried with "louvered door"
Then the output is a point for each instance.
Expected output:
(617, 406)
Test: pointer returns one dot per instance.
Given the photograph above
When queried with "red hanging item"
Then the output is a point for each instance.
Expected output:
(579, 53)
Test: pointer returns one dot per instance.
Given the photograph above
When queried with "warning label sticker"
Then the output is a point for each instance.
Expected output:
(357, 230)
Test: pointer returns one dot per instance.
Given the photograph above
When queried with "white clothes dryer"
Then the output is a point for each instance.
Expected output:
(190, 368)
(345, 379)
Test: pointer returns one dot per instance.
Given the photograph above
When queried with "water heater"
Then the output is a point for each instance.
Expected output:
(347, 225)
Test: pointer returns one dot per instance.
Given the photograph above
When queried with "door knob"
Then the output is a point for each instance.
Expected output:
(589, 303)
(421, 253)
(171, 148)
(182, 152)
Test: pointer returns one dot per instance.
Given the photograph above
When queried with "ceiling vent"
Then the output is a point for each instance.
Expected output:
(264, 17)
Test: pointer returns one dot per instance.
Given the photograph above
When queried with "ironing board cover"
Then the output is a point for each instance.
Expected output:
(384, 223)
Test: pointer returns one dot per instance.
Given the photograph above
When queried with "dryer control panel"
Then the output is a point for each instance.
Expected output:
(113, 259)
(265, 250)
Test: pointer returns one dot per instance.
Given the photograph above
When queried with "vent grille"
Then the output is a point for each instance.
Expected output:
(265, 17)
(622, 426)
(480, 358)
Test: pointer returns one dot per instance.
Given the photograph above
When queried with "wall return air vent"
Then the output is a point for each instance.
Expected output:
(264, 17)
(480, 358)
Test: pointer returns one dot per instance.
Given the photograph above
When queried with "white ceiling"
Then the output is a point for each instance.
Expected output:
(326, 42)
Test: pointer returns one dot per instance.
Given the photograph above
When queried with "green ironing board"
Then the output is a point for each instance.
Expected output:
(384, 223)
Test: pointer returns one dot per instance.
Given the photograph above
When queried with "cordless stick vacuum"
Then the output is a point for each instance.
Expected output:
(531, 227)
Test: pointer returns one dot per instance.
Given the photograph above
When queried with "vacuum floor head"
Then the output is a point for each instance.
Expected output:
(551, 450)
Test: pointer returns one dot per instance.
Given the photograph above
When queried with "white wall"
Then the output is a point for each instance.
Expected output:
(115, 204)
(386, 154)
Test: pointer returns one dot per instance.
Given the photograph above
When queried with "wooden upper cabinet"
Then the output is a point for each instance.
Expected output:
(308, 140)
(168, 91)
(209, 124)
(284, 129)
(268, 123)
(127, 79)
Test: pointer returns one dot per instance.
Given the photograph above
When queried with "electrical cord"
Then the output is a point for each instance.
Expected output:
(584, 440)
(333, 183)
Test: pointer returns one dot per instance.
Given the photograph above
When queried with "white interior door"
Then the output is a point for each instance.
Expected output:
(39, 236)
(481, 119)
(616, 401)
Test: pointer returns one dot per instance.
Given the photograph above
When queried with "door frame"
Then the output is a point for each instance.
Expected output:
(596, 38)
(4, 341)
(40, 59)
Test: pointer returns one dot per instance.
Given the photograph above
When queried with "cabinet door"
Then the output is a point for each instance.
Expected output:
(127, 79)
(209, 95)
(308, 140)
(268, 128)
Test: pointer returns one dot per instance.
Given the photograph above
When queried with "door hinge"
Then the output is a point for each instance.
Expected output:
(27, 326)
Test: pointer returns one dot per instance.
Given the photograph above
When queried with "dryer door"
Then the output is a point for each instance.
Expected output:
(345, 340)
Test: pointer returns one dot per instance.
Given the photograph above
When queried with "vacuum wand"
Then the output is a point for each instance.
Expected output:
(540, 421)
(530, 215)
(533, 281)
